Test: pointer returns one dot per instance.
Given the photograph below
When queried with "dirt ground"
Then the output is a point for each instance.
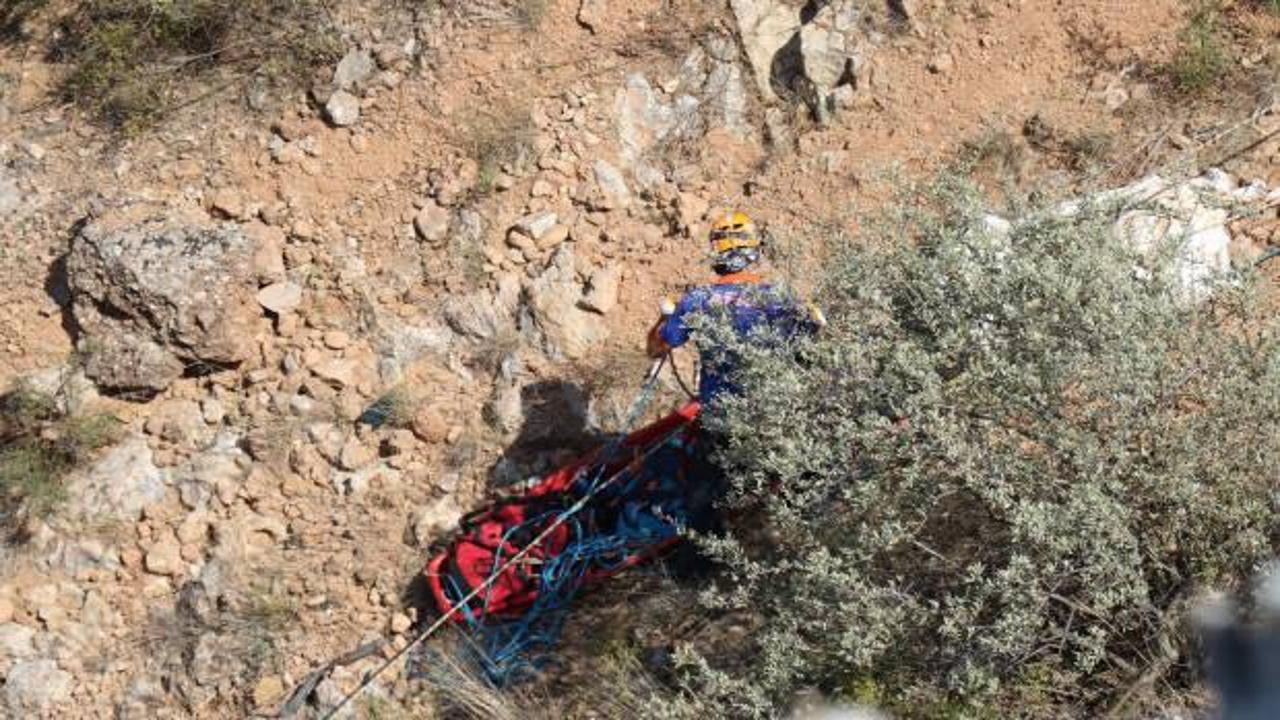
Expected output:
(1063, 96)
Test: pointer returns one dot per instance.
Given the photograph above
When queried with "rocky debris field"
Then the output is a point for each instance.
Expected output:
(469, 225)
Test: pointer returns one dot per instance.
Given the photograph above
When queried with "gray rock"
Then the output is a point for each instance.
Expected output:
(828, 45)
(554, 300)
(726, 98)
(612, 184)
(432, 222)
(354, 70)
(692, 73)
(436, 519)
(155, 290)
(216, 471)
(602, 291)
(765, 27)
(88, 554)
(281, 297)
(644, 121)
(124, 362)
(478, 315)
(343, 108)
(119, 485)
(37, 686)
(537, 224)
(10, 196)
(16, 641)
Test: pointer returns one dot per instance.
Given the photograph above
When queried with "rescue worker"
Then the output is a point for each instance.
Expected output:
(749, 302)
(744, 295)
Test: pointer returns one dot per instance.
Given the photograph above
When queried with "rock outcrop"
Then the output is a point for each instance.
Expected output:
(555, 303)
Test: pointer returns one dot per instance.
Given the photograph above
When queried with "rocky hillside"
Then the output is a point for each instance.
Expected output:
(471, 214)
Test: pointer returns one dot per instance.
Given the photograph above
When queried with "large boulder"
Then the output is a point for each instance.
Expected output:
(157, 293)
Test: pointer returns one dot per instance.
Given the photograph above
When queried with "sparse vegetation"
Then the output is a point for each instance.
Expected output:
(998, 479)
(1201, 60)
(39, 446)
(491, 352)
(1089, 149)
(128, 57)
(525, 15)
(397, 407)
(495, 140)
(997, 149)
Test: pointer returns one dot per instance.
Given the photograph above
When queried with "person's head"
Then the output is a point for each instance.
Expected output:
(735, 243)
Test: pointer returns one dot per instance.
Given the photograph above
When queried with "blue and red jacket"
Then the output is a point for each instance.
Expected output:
(750, 303)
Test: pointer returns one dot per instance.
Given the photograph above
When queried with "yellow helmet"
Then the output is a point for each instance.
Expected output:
(731, 231)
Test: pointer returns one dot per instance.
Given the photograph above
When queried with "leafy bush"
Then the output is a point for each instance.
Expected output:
(998, 476)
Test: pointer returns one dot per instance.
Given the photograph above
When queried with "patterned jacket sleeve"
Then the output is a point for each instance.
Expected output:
(675, 331)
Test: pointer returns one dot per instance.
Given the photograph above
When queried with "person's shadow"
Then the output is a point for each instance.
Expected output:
(557, 427)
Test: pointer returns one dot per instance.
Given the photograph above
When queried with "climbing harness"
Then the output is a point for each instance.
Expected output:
(556, 548)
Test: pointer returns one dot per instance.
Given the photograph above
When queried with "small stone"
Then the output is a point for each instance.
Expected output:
(354, 70)
(343, 109)
(337, 372)
(1180, 141)
(591, 14)
(164, 558)
(612, 185)
(542, 188)
(212, 411)
(355, 455)
(400, 623)
(227, 203)
(537, 224)
(941, 64)
(268, 692)
(435, 519)
(16, 641)
(430, 426)
(432, 222)
(336, 339)
(280, 298)
(268, 258)
(1114, 97)
(553, 237)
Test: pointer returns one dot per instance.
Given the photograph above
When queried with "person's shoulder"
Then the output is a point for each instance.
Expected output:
(697, 294)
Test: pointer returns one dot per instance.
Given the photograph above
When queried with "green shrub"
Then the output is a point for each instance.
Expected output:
(1082, 451)
(127, 56)
(1201, 60)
